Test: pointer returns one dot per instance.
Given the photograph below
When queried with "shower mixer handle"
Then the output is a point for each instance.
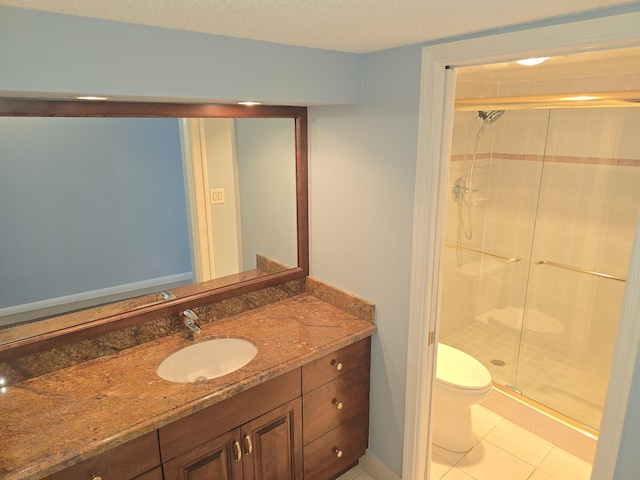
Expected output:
(459, 189)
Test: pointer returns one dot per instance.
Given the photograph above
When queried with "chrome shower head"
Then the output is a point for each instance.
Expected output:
(490, 117)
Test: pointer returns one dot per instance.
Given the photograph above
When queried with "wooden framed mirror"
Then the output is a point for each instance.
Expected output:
(103, 229)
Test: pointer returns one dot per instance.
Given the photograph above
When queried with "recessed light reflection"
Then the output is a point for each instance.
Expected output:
(249, 103)
(91, 97)
(581, 98)
(530, 62)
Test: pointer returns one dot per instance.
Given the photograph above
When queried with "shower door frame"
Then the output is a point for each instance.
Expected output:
(434, 143)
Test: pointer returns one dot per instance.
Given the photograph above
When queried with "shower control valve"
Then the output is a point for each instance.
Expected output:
(458, 189)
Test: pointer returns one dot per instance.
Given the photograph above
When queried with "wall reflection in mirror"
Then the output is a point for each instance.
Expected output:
(97, 210)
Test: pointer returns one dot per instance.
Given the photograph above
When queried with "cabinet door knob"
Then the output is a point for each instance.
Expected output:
(96, 477)
(337, 364)
(238, 451)
(248, 444)
(339, 405)
(338, 453)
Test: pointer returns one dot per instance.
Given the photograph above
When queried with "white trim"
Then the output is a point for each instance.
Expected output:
(426, 263)
(236, 191)
(194, 163)
(375, 468)
(622, 369)
(433, 145)
(94, 297)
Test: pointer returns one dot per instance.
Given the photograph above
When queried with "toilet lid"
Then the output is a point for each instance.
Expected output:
(459, 370)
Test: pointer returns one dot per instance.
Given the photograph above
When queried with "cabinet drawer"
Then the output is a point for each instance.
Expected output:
(336, 364)
(335, 451)
(334, 403)
(126, 461)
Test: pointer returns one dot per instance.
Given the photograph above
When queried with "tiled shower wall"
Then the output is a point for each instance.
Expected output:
(582, 202)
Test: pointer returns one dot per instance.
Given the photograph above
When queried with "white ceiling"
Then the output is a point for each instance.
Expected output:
(346, 25)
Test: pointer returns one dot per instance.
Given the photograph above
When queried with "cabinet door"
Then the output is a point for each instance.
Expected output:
(217, 459)
(155, 474)
(272, 444)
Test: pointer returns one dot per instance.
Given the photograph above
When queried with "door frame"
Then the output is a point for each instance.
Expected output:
(196, 185)
(434, 143)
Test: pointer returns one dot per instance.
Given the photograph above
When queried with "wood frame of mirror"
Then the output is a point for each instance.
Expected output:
(17, 107)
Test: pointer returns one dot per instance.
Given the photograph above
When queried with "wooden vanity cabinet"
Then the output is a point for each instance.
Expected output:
(256, 434)
(335, 408)
(311, 423)
(138, 459)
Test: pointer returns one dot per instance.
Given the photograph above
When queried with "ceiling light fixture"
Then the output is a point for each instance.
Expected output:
(529, 62)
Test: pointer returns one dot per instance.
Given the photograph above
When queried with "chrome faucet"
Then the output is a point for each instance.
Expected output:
(190, 321)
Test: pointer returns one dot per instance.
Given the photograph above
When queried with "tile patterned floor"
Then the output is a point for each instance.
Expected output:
(503, 451)
(356, 473)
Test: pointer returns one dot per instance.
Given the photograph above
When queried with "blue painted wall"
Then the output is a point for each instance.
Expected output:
(362, 169)
(87, 204)
(267, 182)
(45, 52)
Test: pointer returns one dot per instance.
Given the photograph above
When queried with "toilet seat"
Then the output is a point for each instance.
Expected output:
(456, 371)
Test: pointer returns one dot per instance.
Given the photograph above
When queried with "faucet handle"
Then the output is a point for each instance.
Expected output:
(189, 321)
(189, 314)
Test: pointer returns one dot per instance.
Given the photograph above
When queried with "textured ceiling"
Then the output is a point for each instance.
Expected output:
(345, 25)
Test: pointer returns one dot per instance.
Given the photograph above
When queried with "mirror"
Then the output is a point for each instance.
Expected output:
(125, 207)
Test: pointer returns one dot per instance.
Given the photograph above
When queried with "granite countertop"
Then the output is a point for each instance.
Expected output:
(56, 420)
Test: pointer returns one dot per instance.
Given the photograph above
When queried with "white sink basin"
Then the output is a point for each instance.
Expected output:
(208, 359)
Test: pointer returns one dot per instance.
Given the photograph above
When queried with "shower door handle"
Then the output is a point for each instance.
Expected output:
(580, 270)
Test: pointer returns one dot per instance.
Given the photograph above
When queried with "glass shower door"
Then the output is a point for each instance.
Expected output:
(489, 232)
(588, 208)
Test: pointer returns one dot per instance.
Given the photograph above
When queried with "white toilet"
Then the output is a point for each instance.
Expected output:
(461, 381)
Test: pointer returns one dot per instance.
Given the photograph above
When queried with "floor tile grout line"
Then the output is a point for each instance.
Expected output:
(535, 467)
(519, 457)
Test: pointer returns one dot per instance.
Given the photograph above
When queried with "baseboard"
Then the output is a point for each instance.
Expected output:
(374, 467)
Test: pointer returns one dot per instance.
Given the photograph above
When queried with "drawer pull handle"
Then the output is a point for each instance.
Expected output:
(337, 364)
(247, 442)
(96, 477)
(238, 451)
(338, 452)
(339, 405)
